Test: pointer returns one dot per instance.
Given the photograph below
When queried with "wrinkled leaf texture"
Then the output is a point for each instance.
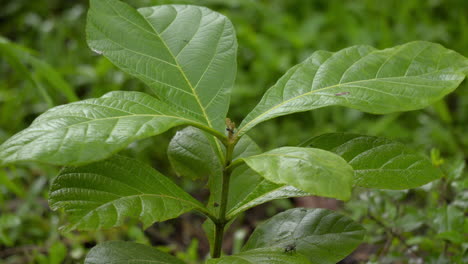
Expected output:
(378, 162)
(323, 236)
(185, 54)
(92, 129)
(106, 193)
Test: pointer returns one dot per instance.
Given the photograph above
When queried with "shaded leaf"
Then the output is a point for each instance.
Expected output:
(262, 256)
(19, 57)
(314, 171)
(186, 54)
(92, 129)
(104, 194)
(192, 154)
(379, 162)
(323, 236)
(120, 252)
(402, 78)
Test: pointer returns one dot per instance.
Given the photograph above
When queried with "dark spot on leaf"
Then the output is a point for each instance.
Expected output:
(342, 93)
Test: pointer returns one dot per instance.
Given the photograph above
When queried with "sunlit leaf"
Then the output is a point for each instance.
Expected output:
(186, 54)
(314, 171)
(402, 78)
(248, 189)
(92, 129)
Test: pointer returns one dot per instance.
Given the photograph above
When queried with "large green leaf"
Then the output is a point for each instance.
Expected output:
(379, 162)
(262, 256)
(324, 236)
(314, 171)
(104, 194)
(402, 78)
(92, 129)
(120, 252)
(186, 54)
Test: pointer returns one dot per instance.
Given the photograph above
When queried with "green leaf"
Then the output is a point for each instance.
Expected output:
(104, 194)
(193, 155)
(379, 162)
(92, 129)
(19, 57)
(186, 54)
(262, 256)
(248, 189)
(448, 218)
(406, 77)
(10, 185)
(323, 236)
(315, 171)
(120, 252)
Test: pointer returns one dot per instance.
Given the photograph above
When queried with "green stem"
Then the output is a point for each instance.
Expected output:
(221, 221)
(212, 131)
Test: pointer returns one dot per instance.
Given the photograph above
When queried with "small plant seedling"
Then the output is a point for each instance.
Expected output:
(192, 82)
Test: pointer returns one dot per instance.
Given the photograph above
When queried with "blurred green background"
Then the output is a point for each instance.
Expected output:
(44, 61)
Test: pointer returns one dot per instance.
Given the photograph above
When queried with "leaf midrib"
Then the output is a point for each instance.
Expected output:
(195, 94)
(326, 88)
(112, 202)
(177, 65)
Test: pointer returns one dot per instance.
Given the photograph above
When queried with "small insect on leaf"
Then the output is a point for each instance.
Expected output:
(342, 93)
(230, 126)
(291, 248)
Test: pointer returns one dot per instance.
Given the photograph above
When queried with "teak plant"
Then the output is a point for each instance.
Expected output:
(187, 56)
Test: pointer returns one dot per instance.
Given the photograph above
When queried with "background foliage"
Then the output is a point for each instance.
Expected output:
(45, 61)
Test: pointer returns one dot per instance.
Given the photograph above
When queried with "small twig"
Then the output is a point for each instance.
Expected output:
(392, 232)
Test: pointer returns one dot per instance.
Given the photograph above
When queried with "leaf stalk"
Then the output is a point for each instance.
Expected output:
(221, 221)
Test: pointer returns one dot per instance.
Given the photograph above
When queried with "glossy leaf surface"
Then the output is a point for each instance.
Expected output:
(248, 189)
(379, 162)
(323, 236)
(104, 194)
(192, 154)
(314, 171)
(120, 252)
(92, 129)
(262, 256)
(186, 54)
(402, 78)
